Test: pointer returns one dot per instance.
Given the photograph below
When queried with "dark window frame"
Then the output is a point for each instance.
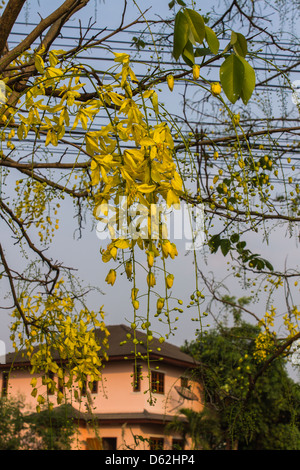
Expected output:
(104, 443)
(178, 444)
(94, 389)
(85, 389)
(157, 382)
(109, 443)
(156, 443)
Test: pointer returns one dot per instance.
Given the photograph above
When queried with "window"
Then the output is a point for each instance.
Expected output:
(93, 443)
(137, 372)
(5, 376)
(177, 444)
(83, 388)
(184, 382)
(157, 382)
(94, 386)
(109, 443)
(156, 443)
(106, 443)
(89, 386)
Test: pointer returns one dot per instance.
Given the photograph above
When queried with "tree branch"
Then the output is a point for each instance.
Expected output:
(67, 8)
(7, 21)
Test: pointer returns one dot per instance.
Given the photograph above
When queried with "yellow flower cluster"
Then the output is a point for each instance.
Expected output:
(143, 172)
(53, 326)
(265, 341)
(291, 322)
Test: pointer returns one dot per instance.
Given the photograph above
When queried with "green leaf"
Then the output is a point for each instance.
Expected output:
(214, 243)
(249, 81)
(201, 51)
(181, 34)
(240, 246)
(234, 237)
(239, 43)
(232, 74)
(260, 264)
(225, 246)
(196, 24)
(269, 265)
(212, 40)
(188, 54)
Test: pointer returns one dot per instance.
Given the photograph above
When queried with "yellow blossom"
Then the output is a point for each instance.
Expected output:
(111, 277)
(151, 280)
(216, 88)
(160, 303)
(170, 82)
(169, 280)
(196, 71)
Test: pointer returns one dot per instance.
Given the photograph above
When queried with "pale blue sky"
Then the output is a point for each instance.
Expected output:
(84, 253)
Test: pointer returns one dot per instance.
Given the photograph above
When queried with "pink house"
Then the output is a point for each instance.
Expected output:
(132, 404)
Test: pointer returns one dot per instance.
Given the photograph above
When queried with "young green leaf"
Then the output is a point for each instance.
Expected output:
(196, 25)
(232, 74)
(239, 43)
(269, 265)
(188, 54)
(212, 40)
(234, 238)
(214, 243)
(225, 246)
(248, 82)
(201, 51)
(181, 34)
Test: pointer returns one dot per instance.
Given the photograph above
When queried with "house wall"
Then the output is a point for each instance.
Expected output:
(116, 395)
(115, 391)
(19, 386)
(127, 435)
